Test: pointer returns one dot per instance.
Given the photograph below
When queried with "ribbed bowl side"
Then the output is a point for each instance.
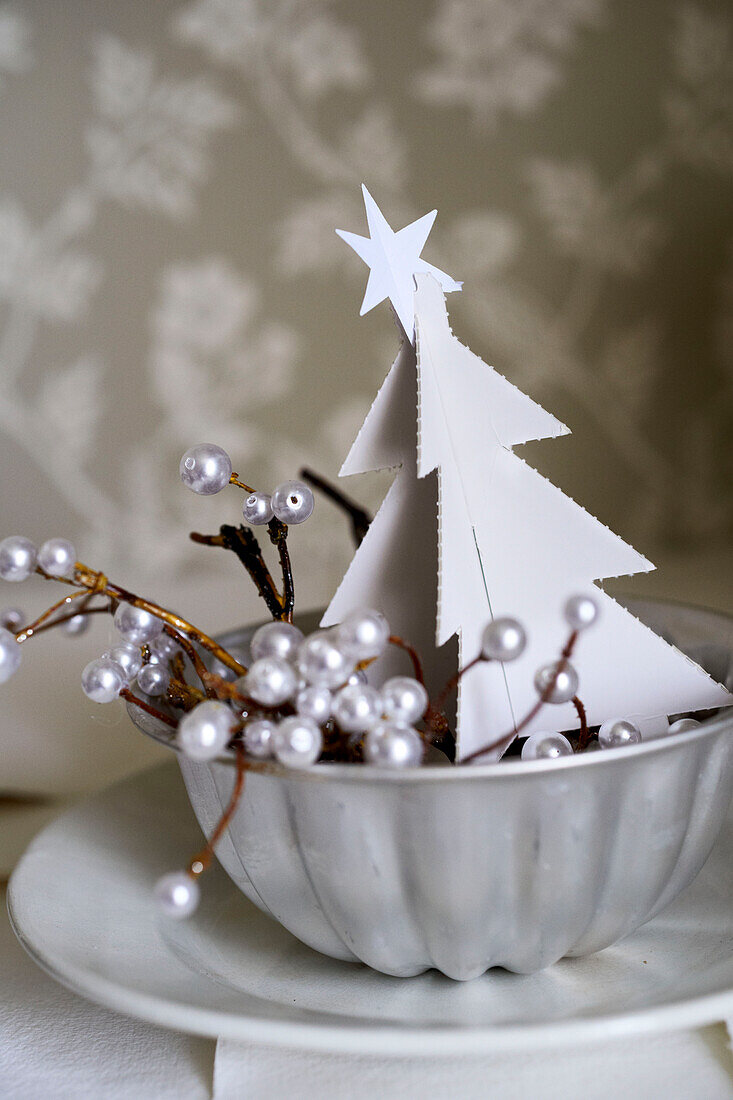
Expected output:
(473, 869)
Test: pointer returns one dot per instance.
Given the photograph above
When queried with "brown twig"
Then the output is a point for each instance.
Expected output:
(149, 708)
(414, 656)
(95, 583)
(72, 615)
(199, 667)
(183, 695)
(32, 628)
(202, 860)
(242, 542)
(359, 517)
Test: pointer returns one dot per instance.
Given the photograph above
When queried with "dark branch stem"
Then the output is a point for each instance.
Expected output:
(242, 542)
(359, 517)
(278, 533)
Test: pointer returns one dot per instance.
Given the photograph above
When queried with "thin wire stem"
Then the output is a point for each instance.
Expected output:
(234, 480)
(72, 615)
(400, 643)
(96, 583)
(584, 735)
(543, 699)
(202, 860)
(148, 708)
(199, 667)
(454, 681)
(242, 542)
(30, 630)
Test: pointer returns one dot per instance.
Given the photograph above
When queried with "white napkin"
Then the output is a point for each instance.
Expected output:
(688, 1065)
(55, 1046)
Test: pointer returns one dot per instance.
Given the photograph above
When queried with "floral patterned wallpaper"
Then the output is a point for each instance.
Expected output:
(170, 181)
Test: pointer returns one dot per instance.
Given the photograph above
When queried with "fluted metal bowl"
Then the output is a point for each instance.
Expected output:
(513, 864)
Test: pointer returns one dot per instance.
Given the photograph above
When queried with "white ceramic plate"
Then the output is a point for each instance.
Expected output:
(80, 902)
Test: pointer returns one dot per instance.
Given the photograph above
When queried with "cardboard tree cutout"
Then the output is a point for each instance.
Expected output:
(496, 538)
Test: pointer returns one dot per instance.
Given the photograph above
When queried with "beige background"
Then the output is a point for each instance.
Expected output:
(170, 178)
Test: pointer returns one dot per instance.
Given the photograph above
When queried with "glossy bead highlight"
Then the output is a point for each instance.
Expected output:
(292, 502)
(18, 558)
(205, 469)
(57, 557)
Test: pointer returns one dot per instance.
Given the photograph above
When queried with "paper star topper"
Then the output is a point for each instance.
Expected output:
(394, 260)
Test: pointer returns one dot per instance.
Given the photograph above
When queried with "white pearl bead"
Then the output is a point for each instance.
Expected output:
(57, 557)
(566, 682)
(545, 745)
(128, 657)
(258, 737)
(292, 502)
(12, 619)
(297, 741)
(270, 681)
(102, 680)
(391, 746)
(76, 626)
(322, 661)
(205, 469)
(153, 679)
(9, 655)
(314, 702)
(682, 725)
(276, 639)
(581, 612)
(617, 733)
(165, 647)
(137, 625)
(504, 639)
(358, 676)
(404, 700)
(257, 509)
(18, 557)
(204, 732)
(363, 634)
(177, 894)
(357, 707)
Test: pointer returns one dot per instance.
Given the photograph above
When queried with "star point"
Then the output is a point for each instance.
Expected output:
(393, 259)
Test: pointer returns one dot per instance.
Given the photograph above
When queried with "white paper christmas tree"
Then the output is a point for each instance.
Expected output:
(492, 537)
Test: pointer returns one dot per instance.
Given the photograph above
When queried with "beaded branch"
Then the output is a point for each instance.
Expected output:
(296, 699)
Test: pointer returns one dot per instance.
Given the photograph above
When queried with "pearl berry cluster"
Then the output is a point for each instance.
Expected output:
(316, 680)
(297, 690)
(207, 469)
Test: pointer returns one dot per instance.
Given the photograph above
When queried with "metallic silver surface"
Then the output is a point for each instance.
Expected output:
(514, 864)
